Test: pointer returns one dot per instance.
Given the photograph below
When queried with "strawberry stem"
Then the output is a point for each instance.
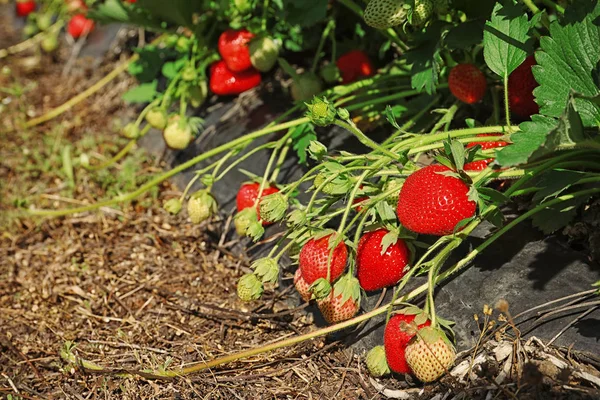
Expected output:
(330, 25)
(32, 41)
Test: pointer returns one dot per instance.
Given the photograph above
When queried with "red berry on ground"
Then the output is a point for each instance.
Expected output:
(247, 195)
(224, 82)
(520, 90)
(233, 47)
(24, 8)
(375, 270)
(395, 340)
(433, 204)
(314, 258)
(355, 65)
(467, 83)
(79, 25)
(480, 165)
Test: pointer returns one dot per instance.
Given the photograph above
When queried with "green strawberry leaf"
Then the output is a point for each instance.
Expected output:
(170, 69)
(466, 35)
(144, 93)
(491, 195)
(496, 218)
(148, 65)
(554, 183)
(528, 140)
(506, 41)
(557, 216)
(425, 58)
(387, 240)
(569, 62)
(391, 117)
(385, 211)
(301, 138)
(305, 13)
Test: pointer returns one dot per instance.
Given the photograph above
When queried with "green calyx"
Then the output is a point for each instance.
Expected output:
(273, 207)
(321, 288)
(297, 218)
(336, 186)
(348, 287)
(201, 206)
(267, 269)
(317, 150)
(321, 112)
(247, 224)
(249, 288)
(172, 206)
(377, 363)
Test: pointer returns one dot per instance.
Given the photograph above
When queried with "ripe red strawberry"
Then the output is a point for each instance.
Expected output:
(480, 165)
(314, 256)
(355, 65)
(520, 90)
(224, 82)
(79, 25)
(395, 340)
(246, 197)
(343, 302)
(25, 7)
(432, 204)
(429, 354)
(375, 270)
(467, 83)
(233, 47)
(302, 286)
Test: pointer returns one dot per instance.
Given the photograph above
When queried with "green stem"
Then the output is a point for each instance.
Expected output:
(281, 160)
(531, 5)
(364, 139)
(506, 105)
(182, 167)
(324, 36)
(554, 6)
(263, 20)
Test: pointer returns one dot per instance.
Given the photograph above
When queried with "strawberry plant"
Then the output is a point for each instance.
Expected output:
(441, 79)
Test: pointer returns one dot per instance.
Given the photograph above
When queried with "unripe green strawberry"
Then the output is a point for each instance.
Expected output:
(131, 131)
(249, 288)
(49, 43)
(201, 206)
(331, 73)
(157, 118)
(376, 362)
(30, 29)
(306, 86)
(198, 94)
(44, 21)
(384, 14)
(177, 134)
(173, 206)
(263, 53)
(182, 44)
(422, 11)
(429, 354)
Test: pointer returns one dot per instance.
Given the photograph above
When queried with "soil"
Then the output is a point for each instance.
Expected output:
(134, 288)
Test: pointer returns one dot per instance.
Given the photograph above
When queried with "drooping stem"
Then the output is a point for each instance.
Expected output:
(364, 139)
(182, 167)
